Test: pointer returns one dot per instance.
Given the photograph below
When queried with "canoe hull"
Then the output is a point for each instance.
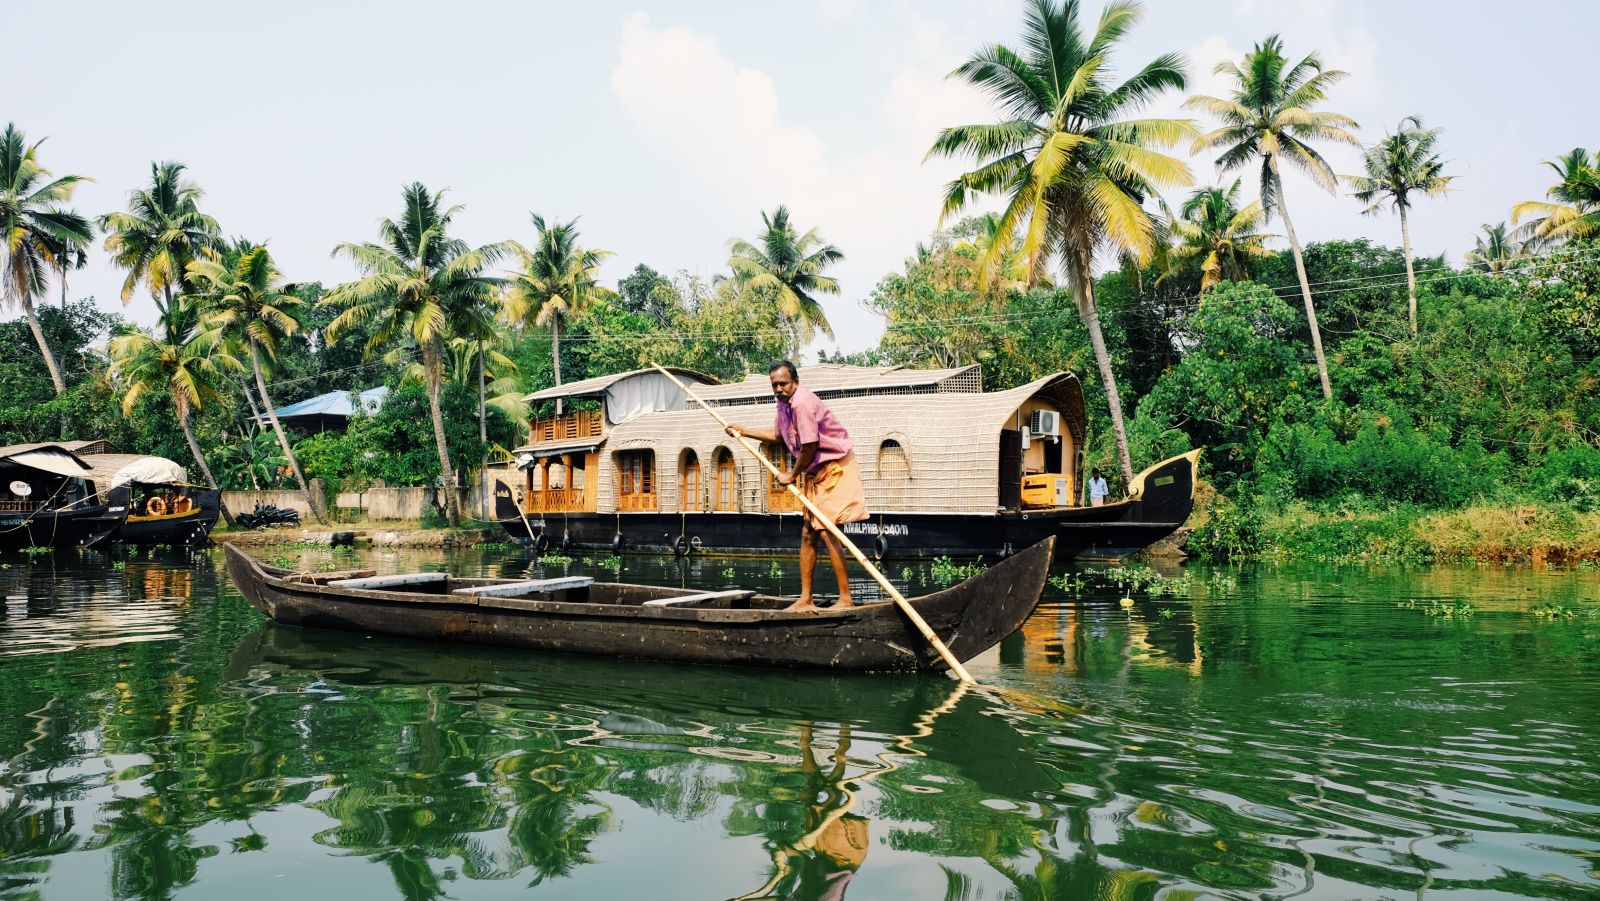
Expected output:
(970, 617)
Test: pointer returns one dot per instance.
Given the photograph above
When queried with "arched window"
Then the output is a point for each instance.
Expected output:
(894, 474)
(691, 497)
(727, 489)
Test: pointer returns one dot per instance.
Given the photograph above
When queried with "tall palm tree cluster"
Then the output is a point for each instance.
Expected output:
(1073, 165)
(225, 310)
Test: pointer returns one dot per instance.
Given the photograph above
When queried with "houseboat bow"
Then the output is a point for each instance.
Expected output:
(948, 469)
(163, 506)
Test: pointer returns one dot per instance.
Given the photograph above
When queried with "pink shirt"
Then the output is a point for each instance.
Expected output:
(804, 419)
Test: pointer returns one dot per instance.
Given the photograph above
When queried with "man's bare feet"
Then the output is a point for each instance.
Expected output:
(844, 603)
(801, 606)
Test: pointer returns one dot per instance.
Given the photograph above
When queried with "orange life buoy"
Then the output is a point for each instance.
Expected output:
(156, 507)
(182, 505)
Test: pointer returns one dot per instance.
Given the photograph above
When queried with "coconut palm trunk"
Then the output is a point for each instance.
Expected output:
(555, 353)
(483, 441)
(44, 346)
(1411, 274)
(283, 440)
(1083, 293)
(182, 404)
(1305, 283)
(432, 366)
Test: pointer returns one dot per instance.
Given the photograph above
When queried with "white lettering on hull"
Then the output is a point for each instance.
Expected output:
(872, 528)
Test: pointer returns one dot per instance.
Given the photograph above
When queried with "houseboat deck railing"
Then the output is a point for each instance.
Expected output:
(628, 502)
(558, 500)
(571, 427)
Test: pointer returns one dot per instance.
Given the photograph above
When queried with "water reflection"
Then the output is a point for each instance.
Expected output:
(1302, 736)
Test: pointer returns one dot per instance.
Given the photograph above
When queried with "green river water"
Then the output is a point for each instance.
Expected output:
(1305, 732)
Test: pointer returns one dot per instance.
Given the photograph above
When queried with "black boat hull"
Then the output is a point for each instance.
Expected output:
(1109, 532)
(83, 527)
(190, 528)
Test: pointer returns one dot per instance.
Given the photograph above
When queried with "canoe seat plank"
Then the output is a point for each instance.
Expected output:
(531, 586)
(400, 580)
(697, 598)
(325, 578)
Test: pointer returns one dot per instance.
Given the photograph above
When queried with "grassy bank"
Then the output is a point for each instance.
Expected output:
(1536, 534)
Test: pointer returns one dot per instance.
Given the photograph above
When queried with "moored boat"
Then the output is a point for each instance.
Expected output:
(578, 615)
(163, 506)
(947, 469)
(47, 499)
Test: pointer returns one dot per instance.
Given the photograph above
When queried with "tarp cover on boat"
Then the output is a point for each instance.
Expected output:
(111, 470)
(646, 392)
(46, 458)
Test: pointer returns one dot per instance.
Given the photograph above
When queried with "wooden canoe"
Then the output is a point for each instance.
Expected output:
(616, 619)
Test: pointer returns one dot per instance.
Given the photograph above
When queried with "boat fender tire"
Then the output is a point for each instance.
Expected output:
(616, 543)
(566, 542)
(156, 507)
(880, 547)
(682, 547)
(541, 543)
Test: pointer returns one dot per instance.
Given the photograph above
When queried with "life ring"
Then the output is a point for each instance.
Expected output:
(616, 543)
(183, 504)
(541, 543)
(156, 506)
(880, 547)
(566, 542)
(682, 547)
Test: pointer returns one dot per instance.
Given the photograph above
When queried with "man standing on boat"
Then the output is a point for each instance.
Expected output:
(825, 469)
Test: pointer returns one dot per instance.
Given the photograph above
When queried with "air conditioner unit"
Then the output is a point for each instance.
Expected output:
(1045, 422)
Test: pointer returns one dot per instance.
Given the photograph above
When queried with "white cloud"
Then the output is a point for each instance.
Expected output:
(840, 9)
(722, 124)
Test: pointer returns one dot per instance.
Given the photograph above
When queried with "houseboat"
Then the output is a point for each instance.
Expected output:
(948, 469)
(48, 499)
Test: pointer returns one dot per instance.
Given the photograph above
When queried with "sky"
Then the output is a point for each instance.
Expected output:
(669, 127)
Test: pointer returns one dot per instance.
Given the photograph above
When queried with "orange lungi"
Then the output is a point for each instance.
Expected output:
(836, 490)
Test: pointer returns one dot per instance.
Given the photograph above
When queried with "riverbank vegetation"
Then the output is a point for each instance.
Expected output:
(1355, 401)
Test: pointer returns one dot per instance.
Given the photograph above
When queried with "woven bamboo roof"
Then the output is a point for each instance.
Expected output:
(838, 379)
(598, 385)
(950, 441)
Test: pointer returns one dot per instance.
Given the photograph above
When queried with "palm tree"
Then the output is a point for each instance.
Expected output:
(555, 282)
(182, 359)
(788, 267)
(1400, 165)
(1213, 231)
(1269, 116)
(1573, 210)
(1494, 251)
(244, 298)
(162, 232)
(35, 232)
(1073, 164)
(421, 286)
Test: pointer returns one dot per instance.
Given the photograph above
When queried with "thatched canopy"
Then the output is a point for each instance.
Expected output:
(945, 446)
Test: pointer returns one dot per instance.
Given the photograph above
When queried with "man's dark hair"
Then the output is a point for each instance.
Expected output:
(784, 364)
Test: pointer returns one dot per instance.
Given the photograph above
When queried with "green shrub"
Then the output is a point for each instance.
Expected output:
(1570, 475)
(1234, 530)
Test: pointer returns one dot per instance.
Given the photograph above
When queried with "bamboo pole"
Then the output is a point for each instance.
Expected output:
(833, 528)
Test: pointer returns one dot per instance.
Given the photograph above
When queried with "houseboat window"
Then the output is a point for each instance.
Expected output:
(725, 480)
(894, 474)
(690, 493)
(636, 482)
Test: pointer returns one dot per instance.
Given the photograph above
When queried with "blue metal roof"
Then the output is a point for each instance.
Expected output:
(335, 403)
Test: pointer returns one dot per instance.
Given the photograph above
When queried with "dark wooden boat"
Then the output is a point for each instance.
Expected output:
(163, 507)
(48, 500)
(581, 616)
